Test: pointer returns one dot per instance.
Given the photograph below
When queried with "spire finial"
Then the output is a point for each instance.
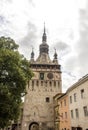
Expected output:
(32, 53)
(44, 37)
(55, 55)
(44, 28)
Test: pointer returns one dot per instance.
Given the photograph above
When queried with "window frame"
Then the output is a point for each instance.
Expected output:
(75, 97)
(70, 99)
(72, 115)
(77, 113)
(85, 111)
(82, 93)
(41, 76)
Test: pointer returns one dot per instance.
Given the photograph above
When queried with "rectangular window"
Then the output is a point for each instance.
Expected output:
(62, 115)
(59, 83)
(82, 93)
(65, 115)
(50, 83)
(64, 102)
(54, 83)
(37, 83)
(41, 76)
(32, 85)
(74, 97)
(41, 83)
(70, 99)
(85, 111)
(72, 114)
(32, 82)
(61, 104)
(76, 113)
(47, 99)
(56, 114)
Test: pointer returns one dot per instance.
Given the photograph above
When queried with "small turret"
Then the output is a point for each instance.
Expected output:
(55, 60)
(32, 55)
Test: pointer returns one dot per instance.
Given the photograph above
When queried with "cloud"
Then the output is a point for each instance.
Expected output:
(14, 17)
(4, 26)
(68, 78)
(2, 20)
(82, 46)
(31, 2)
(75, 63)
(21, 20)
(69, 70)
(62, 48)
(29, 40)
(7, 1)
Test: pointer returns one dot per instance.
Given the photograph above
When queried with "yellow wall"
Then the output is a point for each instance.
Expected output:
(64, 113)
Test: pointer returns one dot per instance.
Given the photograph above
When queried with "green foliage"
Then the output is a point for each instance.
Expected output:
(14, 75)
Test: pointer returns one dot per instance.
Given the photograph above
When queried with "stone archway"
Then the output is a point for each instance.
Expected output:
(34, 126)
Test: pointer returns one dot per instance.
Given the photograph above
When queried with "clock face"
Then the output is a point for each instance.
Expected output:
(50, 75)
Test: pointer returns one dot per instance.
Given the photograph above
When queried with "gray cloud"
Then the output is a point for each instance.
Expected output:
(76, 64)
(31, 1)
(7, 0)
(69, 70)
(4, 26)
(29, 41)
(2, 19)
(62, 48)
(82, 46)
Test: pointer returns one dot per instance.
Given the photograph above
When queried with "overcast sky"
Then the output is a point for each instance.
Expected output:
(66, 24)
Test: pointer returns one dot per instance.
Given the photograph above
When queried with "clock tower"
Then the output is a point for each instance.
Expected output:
(38, 110)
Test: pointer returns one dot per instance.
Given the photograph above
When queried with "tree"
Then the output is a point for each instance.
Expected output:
(14, 75)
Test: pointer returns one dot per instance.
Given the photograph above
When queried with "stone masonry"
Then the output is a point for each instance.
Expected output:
(38, 110)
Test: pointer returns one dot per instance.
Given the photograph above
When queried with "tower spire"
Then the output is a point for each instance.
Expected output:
(44, 28)
(44, 37)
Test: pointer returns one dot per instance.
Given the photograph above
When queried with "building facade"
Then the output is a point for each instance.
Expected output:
(78, 104)
(38, 110)
(64, 117)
